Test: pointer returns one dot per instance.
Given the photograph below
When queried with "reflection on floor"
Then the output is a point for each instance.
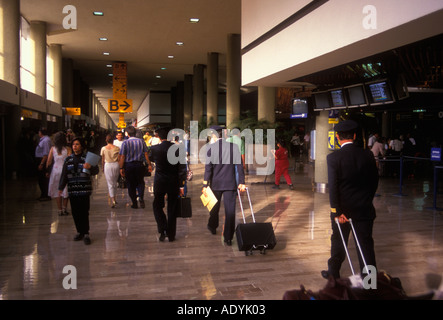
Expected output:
(126, 260)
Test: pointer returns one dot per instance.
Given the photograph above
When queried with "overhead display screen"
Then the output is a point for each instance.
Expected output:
(338, 99)
(380, 92)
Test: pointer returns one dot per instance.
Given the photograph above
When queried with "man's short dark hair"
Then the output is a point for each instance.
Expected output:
(131, 131)
(346, 135)
(163, 133)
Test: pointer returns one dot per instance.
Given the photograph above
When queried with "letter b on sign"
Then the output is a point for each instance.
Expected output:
(70, 281)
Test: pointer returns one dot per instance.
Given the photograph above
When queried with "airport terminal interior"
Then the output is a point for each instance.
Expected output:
(292, 67)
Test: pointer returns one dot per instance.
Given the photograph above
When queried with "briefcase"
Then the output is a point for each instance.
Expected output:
(254, 236)
(183, 208)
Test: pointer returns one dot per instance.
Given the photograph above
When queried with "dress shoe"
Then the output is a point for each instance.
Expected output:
(78, 237)
(142, 204)
(134, 206)
(276, 186)
(171, 239)
(325, 274)
(228, 242)
(213, 230)
(87, 240)
(162, 236)
(291, 186)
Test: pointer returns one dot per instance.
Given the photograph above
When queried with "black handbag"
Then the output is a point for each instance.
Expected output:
(183, 207)
(121, 182)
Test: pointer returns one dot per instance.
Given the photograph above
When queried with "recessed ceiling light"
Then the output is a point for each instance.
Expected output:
(194, 20)
(103, 39)
(98, 13)
(109, 65)
(163, 68)
(158, 77)
(110, 74)
(106, 53)
(179, 43)
(170, 57)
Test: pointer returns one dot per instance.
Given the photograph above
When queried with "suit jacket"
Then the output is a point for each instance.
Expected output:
(352, 181)
(170, 174)
(223, 164)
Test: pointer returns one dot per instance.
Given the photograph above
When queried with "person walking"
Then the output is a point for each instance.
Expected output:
(222, 163)
(41, 155)
(54, 167)
(169, 180)
(281, 166)
(353, 181)
(132, 154)
(111, 169)
(76, 174)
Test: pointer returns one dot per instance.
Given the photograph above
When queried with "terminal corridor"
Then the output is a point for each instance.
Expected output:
(126, 261)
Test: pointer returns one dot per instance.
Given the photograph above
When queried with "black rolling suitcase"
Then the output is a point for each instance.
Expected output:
(254, 236)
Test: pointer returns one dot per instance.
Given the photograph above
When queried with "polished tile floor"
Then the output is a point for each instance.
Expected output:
(126, 260)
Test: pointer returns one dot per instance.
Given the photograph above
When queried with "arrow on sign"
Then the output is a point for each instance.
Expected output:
(125, 105)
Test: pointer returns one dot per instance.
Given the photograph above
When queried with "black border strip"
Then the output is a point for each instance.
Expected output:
(313, 5)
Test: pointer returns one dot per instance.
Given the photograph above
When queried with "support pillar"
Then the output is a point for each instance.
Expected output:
(198, 92)
(55, 52)
(321, 151)
(38, 35)
(212, 89)
(233, 78)
(187, 100)
(266, 104)
(10, 42)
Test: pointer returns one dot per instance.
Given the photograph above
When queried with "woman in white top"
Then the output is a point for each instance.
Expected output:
(56, 159)
(111, 168)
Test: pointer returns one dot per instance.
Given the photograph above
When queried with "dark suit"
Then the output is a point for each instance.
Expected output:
(222, 166)
(168, 179)
(352, 181)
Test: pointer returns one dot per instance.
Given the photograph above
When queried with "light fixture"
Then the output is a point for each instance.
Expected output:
(158, 77)
(179, 43)
(170, 57)
(106, 53)
(194, 20)
(103, 39)
(110, 74)
(98, 13)
(109, 65)
(162, 68)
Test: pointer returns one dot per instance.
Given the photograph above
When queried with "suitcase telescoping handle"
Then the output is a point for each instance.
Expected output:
(241, 205)
(356, 240)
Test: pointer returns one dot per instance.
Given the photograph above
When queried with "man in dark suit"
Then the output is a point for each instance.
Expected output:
(352, 181)
(222, 163)
(170, 177)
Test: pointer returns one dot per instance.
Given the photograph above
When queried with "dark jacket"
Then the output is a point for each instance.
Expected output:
(169, 175)
(79, 182)
(222, 165)
(352, 182)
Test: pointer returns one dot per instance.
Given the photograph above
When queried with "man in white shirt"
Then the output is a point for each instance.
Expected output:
(41, 156)
(119, 141)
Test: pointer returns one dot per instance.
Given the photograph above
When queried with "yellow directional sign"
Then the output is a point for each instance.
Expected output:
(120, 105)
(120, 80)
(73, 111)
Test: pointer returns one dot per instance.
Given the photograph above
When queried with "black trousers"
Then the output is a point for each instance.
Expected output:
(165, 224)
(229, 197)
(134, 173)
(43, 181)
(80, 213)
(363, 228)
